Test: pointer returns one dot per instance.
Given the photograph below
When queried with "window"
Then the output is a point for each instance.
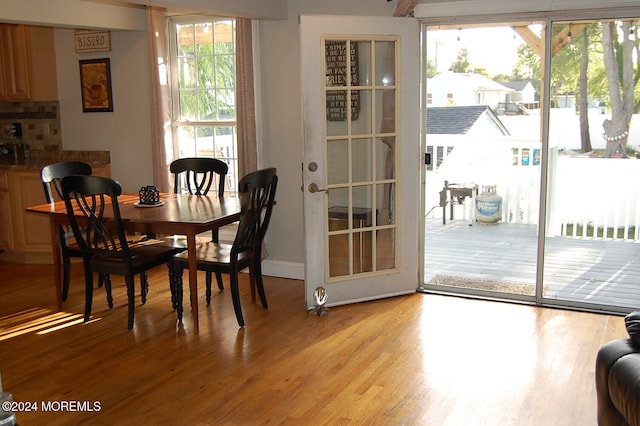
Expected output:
(203, 91)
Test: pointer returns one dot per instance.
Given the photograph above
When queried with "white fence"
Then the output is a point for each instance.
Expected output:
(587, 197)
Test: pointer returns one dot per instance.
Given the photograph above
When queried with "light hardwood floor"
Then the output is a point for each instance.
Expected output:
(411, 360)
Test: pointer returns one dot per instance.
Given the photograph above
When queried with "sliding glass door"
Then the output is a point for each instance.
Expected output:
(592, 244)
(483, 146)
(531, 175)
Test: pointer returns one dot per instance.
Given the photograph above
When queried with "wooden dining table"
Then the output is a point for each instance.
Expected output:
(179, 214)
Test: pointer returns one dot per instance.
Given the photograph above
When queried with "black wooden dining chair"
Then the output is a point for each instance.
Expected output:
(104, 244)
(51, 176)
(197, 176)
(257, 191)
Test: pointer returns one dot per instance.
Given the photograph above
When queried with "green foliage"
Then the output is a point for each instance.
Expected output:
(461, 64)
(590, 231)
(206, 74)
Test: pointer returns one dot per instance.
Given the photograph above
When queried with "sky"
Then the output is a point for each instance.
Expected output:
(495, 49)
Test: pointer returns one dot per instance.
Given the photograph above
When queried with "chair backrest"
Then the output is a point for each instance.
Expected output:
(198, 174)
(257, 191)
(93, 196)
(52, 174)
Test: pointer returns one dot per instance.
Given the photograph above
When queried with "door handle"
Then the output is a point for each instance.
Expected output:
(313, 188)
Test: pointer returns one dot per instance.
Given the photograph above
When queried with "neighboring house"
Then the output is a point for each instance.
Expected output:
(521, 99)
(464, 89)
(480, 120)
(455, 89)
(448, 126)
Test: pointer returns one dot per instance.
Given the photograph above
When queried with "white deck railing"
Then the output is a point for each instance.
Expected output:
(588, 197)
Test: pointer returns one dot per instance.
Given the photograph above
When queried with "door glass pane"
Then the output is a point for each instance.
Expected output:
(336, 63)
(385, 113)
(385, 158)
(363, 160)
(385, 249)
(385, 60)
(337, 161)
(336, 101)
(338, 255)
(362, 199)
(338, 209)
(361, 112)
(364, 70)
(385, 213)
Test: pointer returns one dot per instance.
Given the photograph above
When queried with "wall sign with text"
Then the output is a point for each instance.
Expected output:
(336, 76)
(87, 41)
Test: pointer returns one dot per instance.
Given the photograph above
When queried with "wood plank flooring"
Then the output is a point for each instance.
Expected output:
(412, 360)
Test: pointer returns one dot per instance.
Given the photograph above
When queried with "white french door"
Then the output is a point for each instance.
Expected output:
(361, 164)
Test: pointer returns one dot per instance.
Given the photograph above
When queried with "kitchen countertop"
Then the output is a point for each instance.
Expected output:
(37, 159)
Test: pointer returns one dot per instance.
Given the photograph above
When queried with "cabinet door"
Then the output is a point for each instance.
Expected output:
(15, 66)
(6, 241)
(31, 230)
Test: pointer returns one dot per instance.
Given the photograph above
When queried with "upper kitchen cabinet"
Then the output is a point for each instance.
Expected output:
(27, 63)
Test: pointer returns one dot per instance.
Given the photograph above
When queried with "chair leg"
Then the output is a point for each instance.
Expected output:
(88, 284)
(177, 287)
(144, 286)
(172, 282)
(208, 287)
(66, 275)
(107, 288)
(131, 295)
(219, 279)
(235, 297)
(252, 283)
(257, 266)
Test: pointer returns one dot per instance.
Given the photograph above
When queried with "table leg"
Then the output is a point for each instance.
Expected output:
(57, 259)
(193, 278)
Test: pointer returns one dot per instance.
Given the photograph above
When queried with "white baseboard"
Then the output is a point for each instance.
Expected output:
(277, 268)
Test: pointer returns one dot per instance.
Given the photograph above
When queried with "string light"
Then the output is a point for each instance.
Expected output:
(617, 138)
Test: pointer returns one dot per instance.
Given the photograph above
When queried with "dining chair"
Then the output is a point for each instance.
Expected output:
(51, 176)
(257, 191)
(197, 176)
(103, 241)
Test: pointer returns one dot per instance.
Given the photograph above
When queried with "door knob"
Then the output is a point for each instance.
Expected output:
(313, 188)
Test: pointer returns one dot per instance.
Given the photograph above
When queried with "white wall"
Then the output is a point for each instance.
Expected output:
(125, 132)
(282, 104)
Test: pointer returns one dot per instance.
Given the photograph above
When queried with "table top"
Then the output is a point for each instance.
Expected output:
(177, 209)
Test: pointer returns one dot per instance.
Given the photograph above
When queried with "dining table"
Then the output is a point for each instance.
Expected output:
(175, 214)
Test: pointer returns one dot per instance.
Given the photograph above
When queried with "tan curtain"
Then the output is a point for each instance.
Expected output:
(161, 141)
(245, 99)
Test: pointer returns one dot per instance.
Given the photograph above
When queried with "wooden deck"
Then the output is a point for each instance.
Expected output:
(485, 259)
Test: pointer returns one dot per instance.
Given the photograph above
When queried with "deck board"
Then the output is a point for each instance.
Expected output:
(580, 270)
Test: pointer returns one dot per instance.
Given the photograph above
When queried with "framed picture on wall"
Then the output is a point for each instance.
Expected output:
(95, 85)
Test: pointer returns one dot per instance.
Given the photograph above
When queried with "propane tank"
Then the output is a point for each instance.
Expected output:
(488, 206)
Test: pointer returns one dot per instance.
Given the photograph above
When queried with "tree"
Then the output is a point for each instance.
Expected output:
(583, 99)
(431, 69)
(618, 49)
(461, 64)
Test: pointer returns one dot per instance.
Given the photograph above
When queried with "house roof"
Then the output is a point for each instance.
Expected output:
(458, 120)
(517, 85)
(469, 81)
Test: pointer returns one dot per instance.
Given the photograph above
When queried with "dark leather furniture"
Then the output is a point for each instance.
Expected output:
(618, 378)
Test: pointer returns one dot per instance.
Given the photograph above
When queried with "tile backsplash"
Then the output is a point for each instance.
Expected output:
(40, 124)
